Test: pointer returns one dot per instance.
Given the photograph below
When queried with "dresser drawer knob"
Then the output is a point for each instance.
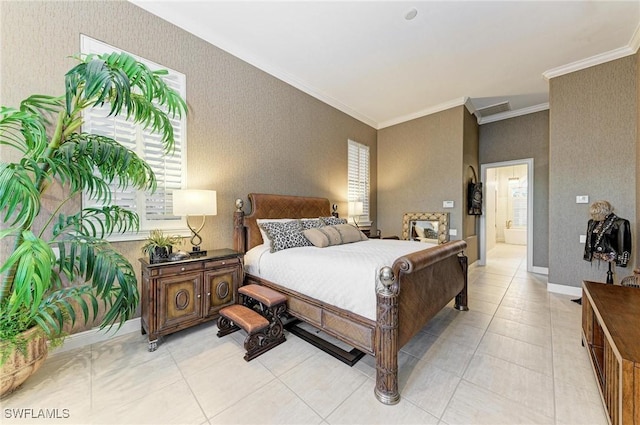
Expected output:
(181, 269)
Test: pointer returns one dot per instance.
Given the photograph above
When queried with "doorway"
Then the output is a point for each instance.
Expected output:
(507, 210)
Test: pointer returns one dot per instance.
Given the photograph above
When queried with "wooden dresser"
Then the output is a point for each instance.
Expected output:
(611, 333)
(179, 294)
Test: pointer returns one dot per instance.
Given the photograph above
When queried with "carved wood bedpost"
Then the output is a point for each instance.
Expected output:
(387, 330)
(239, 237)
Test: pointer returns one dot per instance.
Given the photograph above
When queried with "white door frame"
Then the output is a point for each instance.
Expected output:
(482, 261)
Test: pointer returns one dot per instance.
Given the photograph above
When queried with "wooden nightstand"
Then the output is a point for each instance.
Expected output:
(180, 294)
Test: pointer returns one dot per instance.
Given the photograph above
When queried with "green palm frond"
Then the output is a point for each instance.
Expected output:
(152, 117)
(30, 265)
(19, 199)
(45, 107)
(98, 222)
(22, 130)
(114, 162)
(111, 276)
(129, 87)
(56, 308)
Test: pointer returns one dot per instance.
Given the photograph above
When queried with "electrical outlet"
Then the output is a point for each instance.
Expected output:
(453, 232)
(447, 204)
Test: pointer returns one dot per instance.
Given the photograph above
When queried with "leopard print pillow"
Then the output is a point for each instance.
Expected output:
(285, 235)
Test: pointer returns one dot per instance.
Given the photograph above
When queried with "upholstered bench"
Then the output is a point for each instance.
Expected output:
(259, 316)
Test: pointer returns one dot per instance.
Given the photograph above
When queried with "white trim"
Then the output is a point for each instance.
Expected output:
(634, 43)
(574, 291)
(589, 62)
(82, 339)
(482, 261)
(515, 113)
(419, 114)
(540, 270)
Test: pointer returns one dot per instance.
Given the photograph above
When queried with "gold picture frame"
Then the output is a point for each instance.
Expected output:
(422, 226)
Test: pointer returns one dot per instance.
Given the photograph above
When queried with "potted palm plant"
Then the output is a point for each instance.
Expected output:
(56, 266)
(159, 246)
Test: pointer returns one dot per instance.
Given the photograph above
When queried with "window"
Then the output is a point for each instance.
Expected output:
(358, 175)
(154, 210)
(518, 200)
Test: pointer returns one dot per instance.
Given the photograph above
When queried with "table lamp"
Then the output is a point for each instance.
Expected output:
(356, 209)
(190, 202)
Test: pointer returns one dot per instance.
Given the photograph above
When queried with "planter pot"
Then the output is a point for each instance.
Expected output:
(19, 367)
(160, 254)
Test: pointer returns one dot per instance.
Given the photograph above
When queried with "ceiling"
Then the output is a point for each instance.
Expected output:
(367, 60)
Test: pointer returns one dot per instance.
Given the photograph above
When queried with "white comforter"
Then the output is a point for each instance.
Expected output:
(341, 275)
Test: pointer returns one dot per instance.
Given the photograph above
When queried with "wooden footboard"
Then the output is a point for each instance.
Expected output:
(409, 292)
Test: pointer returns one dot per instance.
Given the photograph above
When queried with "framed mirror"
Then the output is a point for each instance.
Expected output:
(432, 227)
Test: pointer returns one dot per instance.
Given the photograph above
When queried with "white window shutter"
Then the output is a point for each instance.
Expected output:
(154, 209)
(358, 176)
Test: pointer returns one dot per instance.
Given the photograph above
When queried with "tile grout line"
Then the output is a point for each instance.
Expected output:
(474, 353)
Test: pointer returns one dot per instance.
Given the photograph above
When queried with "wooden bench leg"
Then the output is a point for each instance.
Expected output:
(226, 326)
(260, 342)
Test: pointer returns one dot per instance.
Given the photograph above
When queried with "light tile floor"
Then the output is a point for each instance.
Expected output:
(514, 358)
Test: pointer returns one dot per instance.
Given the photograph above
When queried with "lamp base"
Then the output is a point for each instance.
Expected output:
(197, 252)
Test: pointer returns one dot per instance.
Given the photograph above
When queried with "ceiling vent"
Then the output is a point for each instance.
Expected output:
(493, 109)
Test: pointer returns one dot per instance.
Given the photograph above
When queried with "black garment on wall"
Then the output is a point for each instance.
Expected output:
(474, 195)
(609, 240)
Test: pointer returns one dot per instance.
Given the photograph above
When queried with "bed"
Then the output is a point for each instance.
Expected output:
(409, 291)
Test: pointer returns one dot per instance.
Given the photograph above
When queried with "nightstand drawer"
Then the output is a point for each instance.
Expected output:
(219, 263)
(178, 268)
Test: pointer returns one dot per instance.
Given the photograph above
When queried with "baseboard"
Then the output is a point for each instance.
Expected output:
(82, 339)
(540, 270)
(574, 291)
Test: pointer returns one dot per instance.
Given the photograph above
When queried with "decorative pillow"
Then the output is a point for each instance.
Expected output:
(323, 237)
(332, 221)
(285, 235)
(263, 233)
(311, 223)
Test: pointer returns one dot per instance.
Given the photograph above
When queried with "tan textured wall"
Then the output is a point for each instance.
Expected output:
(523, 137)
(592, 151)
(635, 225)
(420, 165)
(247, 131)
(470, 223)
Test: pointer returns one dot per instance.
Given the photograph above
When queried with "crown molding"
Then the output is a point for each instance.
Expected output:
(424, 112)
(635, 40)
(621, 52)
(515, 113)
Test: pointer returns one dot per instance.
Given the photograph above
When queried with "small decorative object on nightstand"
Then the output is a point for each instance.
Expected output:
(180, 294)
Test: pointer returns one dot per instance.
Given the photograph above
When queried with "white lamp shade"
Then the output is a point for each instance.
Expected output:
(356, 208)
(194, 202)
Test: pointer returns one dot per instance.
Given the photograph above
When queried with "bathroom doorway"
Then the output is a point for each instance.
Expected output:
(508, 207)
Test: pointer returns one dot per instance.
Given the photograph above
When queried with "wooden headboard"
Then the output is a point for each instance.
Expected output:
(246, 231)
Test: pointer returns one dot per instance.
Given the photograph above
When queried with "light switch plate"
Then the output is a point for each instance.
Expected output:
(453, 232)
(447, 204)
(582, 199)
(583, 238)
